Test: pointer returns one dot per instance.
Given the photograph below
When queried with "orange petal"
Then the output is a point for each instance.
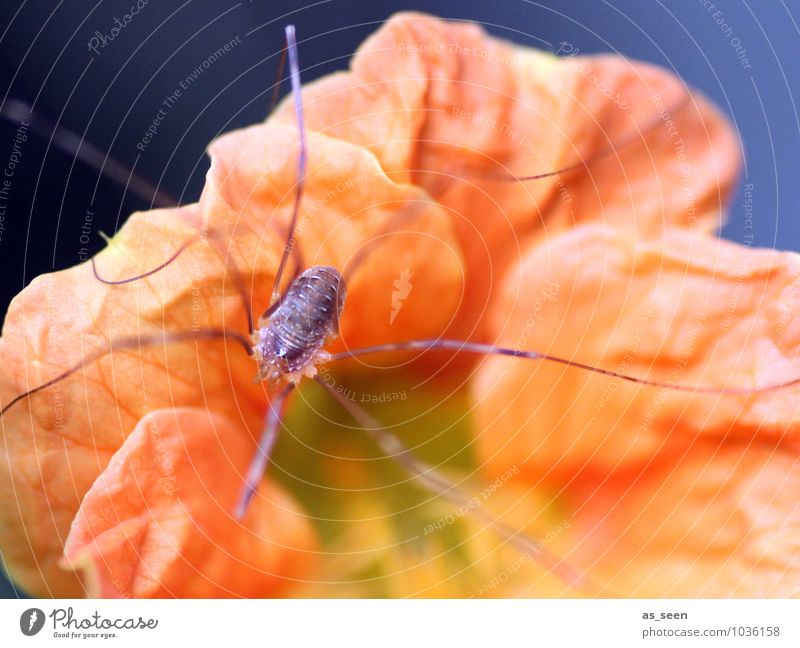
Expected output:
(447, 107)
(63, 317)
(429, 96)
(715, 520)
(55, 443)
(158, 522)
(677, 157)
(687, 309)
(349, 205)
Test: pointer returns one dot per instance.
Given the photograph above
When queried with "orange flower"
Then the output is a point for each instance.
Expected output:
(126, 471)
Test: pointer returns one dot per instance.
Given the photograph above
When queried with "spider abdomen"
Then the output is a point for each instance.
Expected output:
(306, 317)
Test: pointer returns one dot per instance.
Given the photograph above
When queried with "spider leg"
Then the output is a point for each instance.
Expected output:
(624, 142)
(491, 349)
(290, 247)
(231, 268)
(158, 268)
(294, 74)
(135, 343)
(265, 445)
(91, 156)
(435, 482)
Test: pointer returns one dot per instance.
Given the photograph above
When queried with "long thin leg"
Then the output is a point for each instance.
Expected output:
(235, 274)
(213, 238)
(93, 157)
(19, 112)
(136, 343)
(490, 349)
(294, 71)
(622, 143)
(158, 268)
(614, 147)
(275, 304)
(265, 445)
(440, 485)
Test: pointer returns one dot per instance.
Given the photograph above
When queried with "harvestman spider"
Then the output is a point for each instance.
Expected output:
(289, 339)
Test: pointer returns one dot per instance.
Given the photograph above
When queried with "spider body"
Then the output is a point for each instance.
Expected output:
(289, 342)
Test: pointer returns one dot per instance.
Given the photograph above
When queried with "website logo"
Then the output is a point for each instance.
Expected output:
(31, 621)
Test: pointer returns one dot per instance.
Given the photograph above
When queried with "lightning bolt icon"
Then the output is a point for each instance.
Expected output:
(32, 620)
(402, 289)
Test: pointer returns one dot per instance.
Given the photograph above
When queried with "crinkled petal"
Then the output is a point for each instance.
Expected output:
(447, 107)
(158, 521)
(715, 520)
(687, 309)
(410, 259)
(55, 443)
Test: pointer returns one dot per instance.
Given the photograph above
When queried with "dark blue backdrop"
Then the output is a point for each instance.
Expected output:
(111, 95)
